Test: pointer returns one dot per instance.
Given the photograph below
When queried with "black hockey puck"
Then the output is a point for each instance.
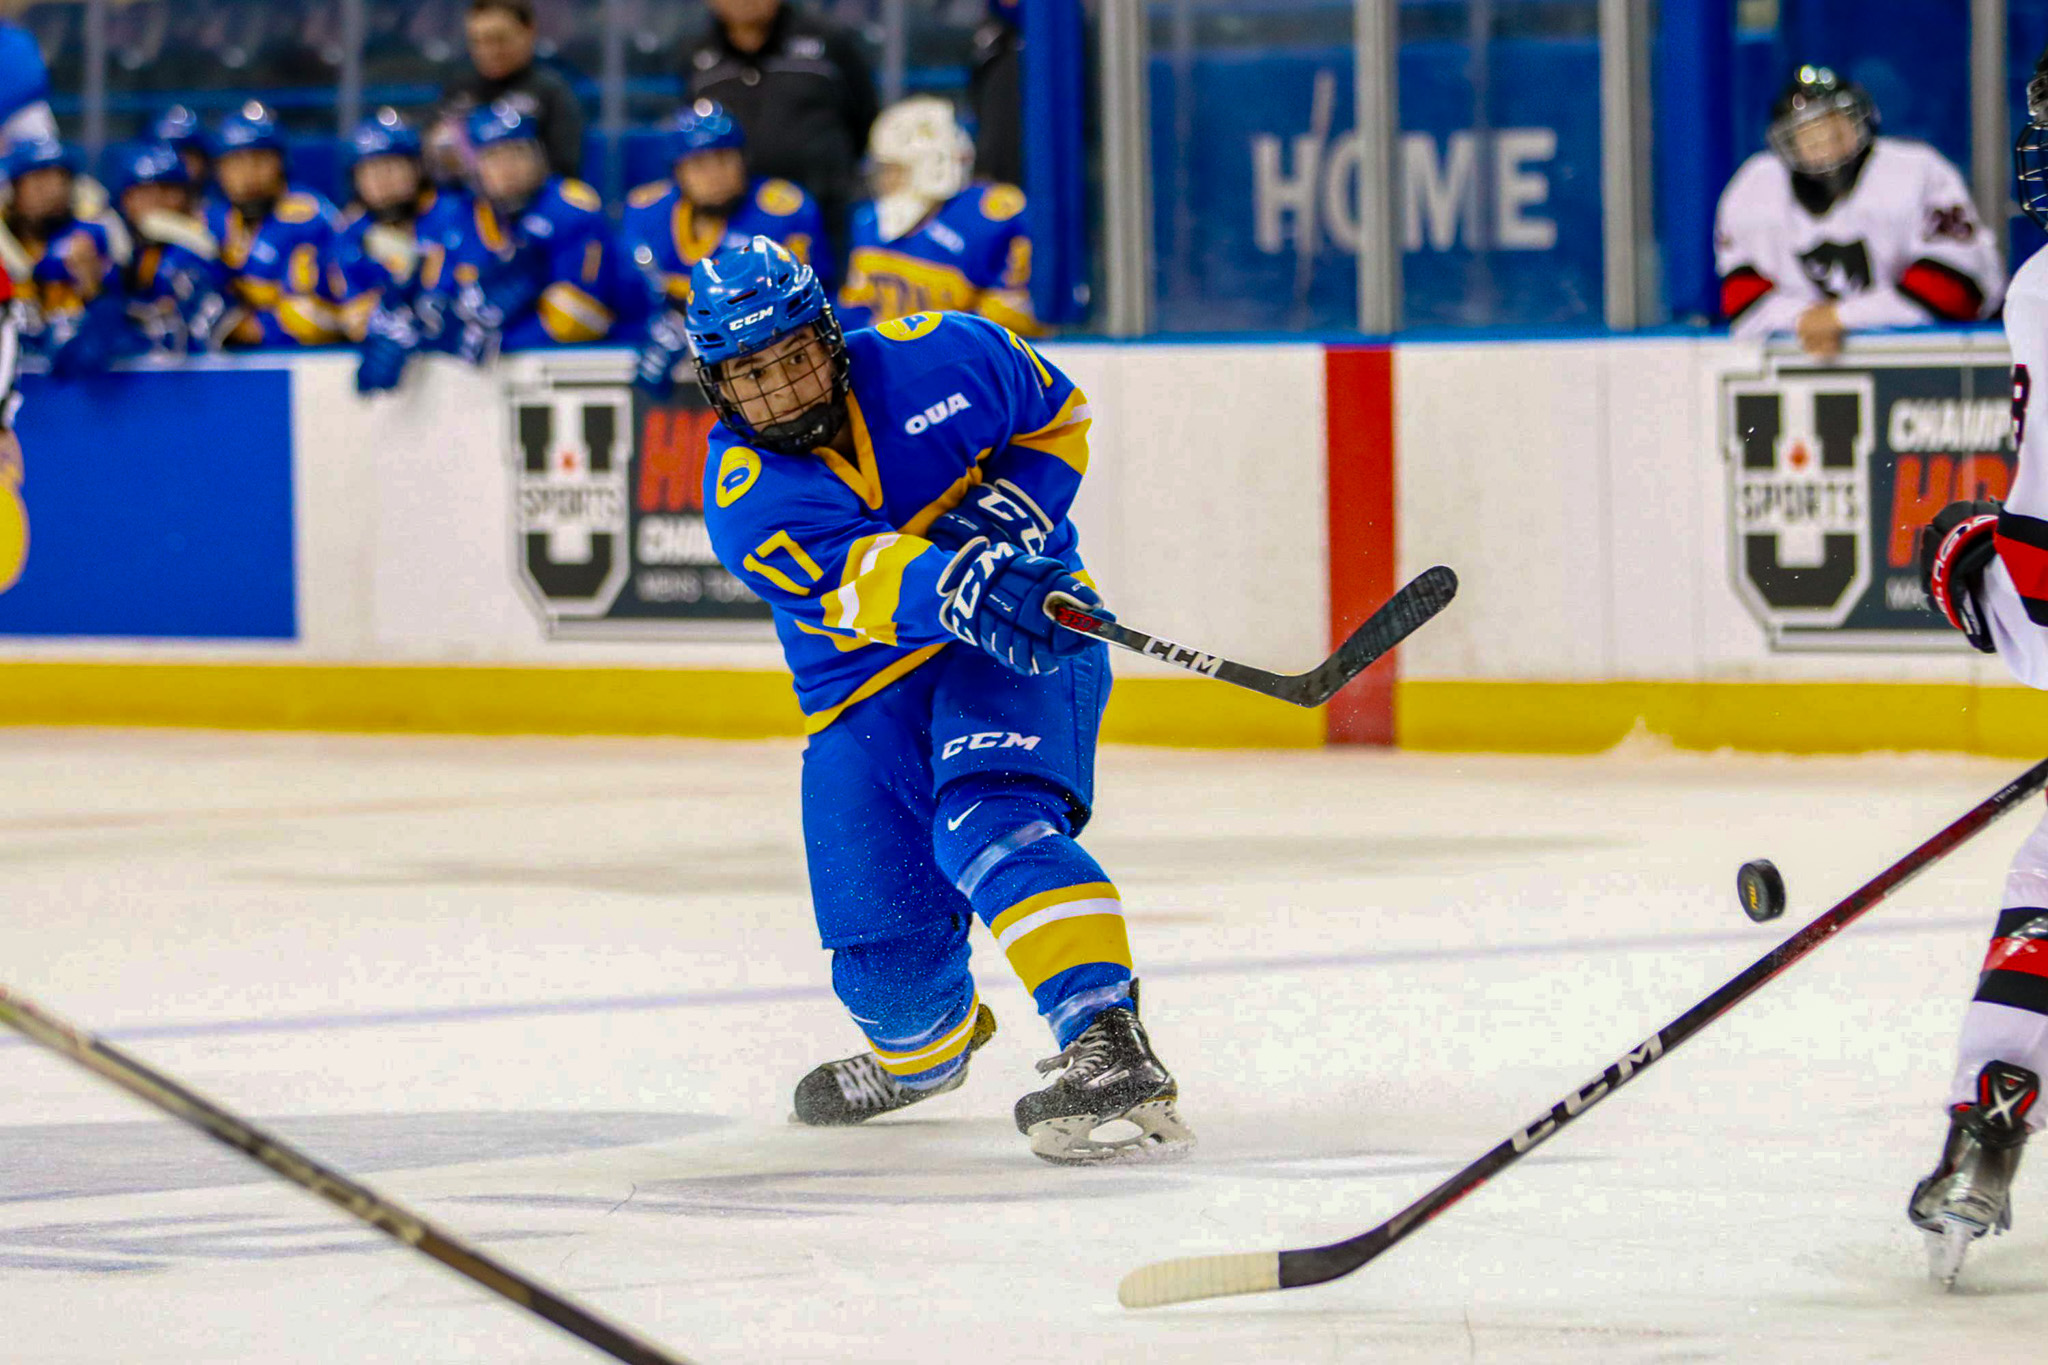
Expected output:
(1762, 890)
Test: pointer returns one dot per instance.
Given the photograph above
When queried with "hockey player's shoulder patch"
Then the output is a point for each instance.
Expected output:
(738, 468)
(1001, 203)
(911, 326)
(779, 197)
(578, 195)
(648, 195)
(298, 207)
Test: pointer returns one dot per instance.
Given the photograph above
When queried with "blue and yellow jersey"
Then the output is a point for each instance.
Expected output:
(969, 255)
(664, 236)
(72, 269)
(367, 257)
(940, 403)
(176, 292)
(274, 271)
(581, 287)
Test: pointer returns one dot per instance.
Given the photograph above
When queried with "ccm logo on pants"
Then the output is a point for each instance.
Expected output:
(988, 739)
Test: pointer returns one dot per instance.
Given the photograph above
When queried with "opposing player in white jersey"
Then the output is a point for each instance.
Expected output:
(1837, 230)
(1985, 566)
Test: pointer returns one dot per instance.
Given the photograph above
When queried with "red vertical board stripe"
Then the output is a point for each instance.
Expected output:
(1358, 382)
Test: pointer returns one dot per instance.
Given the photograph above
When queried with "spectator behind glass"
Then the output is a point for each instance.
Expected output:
(501, 37)
(800, 87)
(995, 92)
(1837, 230)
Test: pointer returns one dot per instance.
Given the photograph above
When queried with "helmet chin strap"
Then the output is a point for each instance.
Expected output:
(805, 432)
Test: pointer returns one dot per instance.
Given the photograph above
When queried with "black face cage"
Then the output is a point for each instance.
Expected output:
(1859, 110)
(2030, 153)
(807, 430)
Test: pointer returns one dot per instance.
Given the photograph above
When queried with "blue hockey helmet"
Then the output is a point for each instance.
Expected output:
(35, 154)
(502, 121)
(251, 128)
(704, 126)
(384, 133)
(179, 127)
(745, 299)
(145, 163)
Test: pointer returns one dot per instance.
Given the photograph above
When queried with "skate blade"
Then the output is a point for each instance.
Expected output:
(1161, 1136)
(1947, 1247)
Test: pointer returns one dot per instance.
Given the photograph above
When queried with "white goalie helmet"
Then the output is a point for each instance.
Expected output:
(918, 157)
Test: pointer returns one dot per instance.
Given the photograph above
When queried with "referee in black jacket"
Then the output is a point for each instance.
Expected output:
(803, 92)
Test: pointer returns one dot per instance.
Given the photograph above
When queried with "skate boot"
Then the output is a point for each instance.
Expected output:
(1968, 1194)
(857, 1089)
(1111, 1076)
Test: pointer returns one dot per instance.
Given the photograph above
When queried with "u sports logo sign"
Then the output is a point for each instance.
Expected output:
(1834, 469)
(608, 508)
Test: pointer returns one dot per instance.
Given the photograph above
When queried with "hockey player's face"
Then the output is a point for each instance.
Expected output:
(143, 200)
(1823, 143)
(252, 176)
(43, 194)
(386, 182)
(510, 172)
(781, 382)
(713, 180)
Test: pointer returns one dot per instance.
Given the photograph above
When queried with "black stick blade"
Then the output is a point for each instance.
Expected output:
(1406, 612)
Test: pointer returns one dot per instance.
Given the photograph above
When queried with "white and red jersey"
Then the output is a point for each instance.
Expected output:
(1903, 247)
(2015, 591)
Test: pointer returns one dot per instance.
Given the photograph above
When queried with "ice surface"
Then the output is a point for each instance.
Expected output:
(555, 994)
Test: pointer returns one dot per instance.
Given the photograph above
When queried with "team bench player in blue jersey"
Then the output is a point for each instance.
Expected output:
(899, 497)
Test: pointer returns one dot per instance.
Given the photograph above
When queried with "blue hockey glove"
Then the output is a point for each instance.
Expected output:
(1001, 511)
(655, 372)
(392, 337)
(993, 597)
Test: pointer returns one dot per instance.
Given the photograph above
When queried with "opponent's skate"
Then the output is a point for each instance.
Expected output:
(857, 1089)
(1969, 1193)
(1111, 1075)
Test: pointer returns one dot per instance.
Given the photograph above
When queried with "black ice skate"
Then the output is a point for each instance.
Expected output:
(857, 1089)
(1969, 1193)
(1111, 1076)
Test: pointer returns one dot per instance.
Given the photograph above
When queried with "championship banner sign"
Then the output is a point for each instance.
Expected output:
(608, 506)
(1832, 471)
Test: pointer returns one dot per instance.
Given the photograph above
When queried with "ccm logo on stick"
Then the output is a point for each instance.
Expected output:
(988, 739)
(1185, 657)
(1613, 1078)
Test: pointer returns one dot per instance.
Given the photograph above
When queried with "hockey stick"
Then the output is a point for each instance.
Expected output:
(1398, 617)
(1210, 1277)
(174, 1099)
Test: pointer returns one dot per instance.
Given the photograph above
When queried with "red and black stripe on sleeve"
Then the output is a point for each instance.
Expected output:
(2016, 968)
(2022, 543)
(1741, 289)
(1942, 290)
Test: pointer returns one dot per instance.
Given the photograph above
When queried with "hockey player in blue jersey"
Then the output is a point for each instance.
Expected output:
(173, 286)
(899, 497)
(930, 239)
(708, 204)
(180, 129)
(25, 114)
(531, 262)
(274, 237)
(68, 265)
(394, 209)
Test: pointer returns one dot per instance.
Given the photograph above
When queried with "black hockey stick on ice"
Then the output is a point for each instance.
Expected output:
(110, 1062)
(1399, 617)
(1211, 1277)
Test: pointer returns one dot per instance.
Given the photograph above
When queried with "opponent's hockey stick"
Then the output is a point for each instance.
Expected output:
(1398, 617)
(1210, 1277)
(174, 1099)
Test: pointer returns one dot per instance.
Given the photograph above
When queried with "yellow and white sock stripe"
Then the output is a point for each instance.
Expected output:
(937, 1052)
(1055, 930)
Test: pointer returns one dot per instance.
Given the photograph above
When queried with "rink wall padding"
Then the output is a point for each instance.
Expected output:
(1676, 536)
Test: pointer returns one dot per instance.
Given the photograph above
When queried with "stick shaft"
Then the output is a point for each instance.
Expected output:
(138, 1079)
